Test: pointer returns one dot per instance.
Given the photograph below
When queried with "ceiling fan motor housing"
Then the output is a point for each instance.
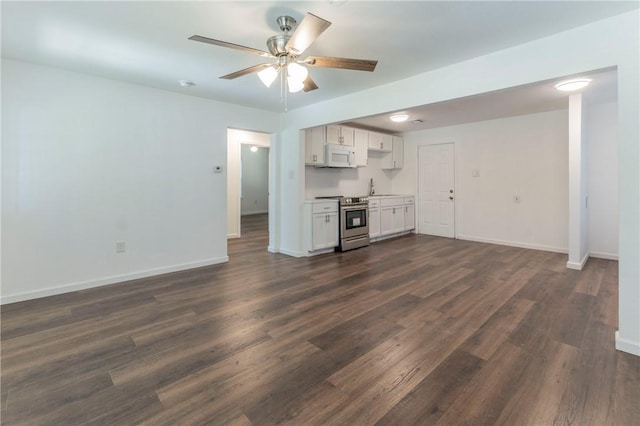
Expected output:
(277, 43)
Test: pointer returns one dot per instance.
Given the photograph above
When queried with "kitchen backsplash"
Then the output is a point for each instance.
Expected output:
(329, 181)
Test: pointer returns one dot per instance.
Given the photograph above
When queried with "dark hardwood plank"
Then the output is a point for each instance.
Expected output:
(413, 330)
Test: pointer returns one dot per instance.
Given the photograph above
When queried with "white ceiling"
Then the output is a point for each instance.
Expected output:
(146, 42)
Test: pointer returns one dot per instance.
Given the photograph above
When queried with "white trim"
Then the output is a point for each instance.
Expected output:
(52, 291)
(578, 265)
(513, 244)
(293, 253)
(628, 346)
(234, 235)
(607, 256)
(256, 212)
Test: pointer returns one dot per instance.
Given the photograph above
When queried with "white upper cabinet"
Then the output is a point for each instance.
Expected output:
(395, 160)
(314, 145)
(380, 142)
(339, 135)
(361, 141)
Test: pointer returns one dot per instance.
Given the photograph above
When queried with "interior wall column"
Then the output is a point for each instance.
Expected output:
(578, 198)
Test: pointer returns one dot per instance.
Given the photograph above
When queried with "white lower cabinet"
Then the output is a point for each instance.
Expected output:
(394, 215)
(322, 225)
(391, 220)
(325, 230)
(374, 220)
(409, 213)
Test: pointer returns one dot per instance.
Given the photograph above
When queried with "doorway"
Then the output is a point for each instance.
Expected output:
(248, 187)
(436, 190)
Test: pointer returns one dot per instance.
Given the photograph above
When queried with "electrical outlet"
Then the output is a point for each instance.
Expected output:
(121, 247)
(516, 198)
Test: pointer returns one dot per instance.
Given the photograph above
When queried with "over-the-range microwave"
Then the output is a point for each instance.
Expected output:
(339, 156)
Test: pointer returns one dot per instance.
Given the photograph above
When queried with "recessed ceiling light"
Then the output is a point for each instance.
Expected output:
(254, 148)
(573, 84)
(186, 83)
(399, 118)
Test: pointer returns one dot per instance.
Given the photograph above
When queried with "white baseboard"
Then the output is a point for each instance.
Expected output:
(513, 244)
(232, 236)
(52, 291)
(606, 256)
(293, 253)
(628, 346)
(578, 265)
(252, 213)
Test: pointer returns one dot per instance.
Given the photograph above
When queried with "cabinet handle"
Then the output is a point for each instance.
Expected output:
(315, 158)
(381, 145)
(394, 210)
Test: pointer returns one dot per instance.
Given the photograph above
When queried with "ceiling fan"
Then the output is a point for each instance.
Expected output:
(286, 48)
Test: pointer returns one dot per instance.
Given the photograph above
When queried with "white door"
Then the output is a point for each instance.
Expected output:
(436, 196)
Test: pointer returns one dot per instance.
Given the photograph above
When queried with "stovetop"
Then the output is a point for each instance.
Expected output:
(347, 200)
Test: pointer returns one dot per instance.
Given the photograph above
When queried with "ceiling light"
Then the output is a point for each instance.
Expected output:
(254, 149)
(573, 84)
(297, 71)
(295, 85)
(268, 75)
(186, 83)
(399, 118)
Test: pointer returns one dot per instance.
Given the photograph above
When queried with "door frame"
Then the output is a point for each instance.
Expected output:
(455, 185)
(235, 139)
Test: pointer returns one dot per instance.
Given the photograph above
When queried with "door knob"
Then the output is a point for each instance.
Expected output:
(451, 191)
(451, 198)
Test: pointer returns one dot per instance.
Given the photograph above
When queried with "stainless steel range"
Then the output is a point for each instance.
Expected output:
(354, 222)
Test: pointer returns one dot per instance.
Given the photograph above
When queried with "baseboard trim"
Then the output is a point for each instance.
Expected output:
(114, 279)
(578, 265)
(513, 244)
(252, 213)
(606, 256)
(628, 346)
(293, 253)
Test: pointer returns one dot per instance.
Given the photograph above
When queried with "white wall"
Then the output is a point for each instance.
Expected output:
(602, 152)
(335, 181)
(255, 180)
(87, 162)
(608, 43)
(524, 156)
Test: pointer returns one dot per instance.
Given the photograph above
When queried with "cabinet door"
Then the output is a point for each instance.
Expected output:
(409, 217)
(374, 222)
(386, 220)
(332, 231)
(398, 219)
(333, 134)
(314, 146)
(319, 232)
(385, 143)
(397, 152)
(360, 141)
(347, 135)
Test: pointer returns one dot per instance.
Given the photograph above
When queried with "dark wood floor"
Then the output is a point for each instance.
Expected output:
(415, 330)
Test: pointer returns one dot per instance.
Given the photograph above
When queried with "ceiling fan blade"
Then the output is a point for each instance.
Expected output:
(309, 84)
(230, 45)
(344, 63)
(306, 33)
(245, 71)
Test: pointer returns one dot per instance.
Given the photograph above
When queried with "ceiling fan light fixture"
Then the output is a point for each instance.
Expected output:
(573, 84)
(268, 75)
(297, 71)
(294, 84)
(399, 118)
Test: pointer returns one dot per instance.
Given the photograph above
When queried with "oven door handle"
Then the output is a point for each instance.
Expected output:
(364, 207)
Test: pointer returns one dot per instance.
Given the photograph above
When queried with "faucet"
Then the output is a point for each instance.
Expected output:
(371, 189)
